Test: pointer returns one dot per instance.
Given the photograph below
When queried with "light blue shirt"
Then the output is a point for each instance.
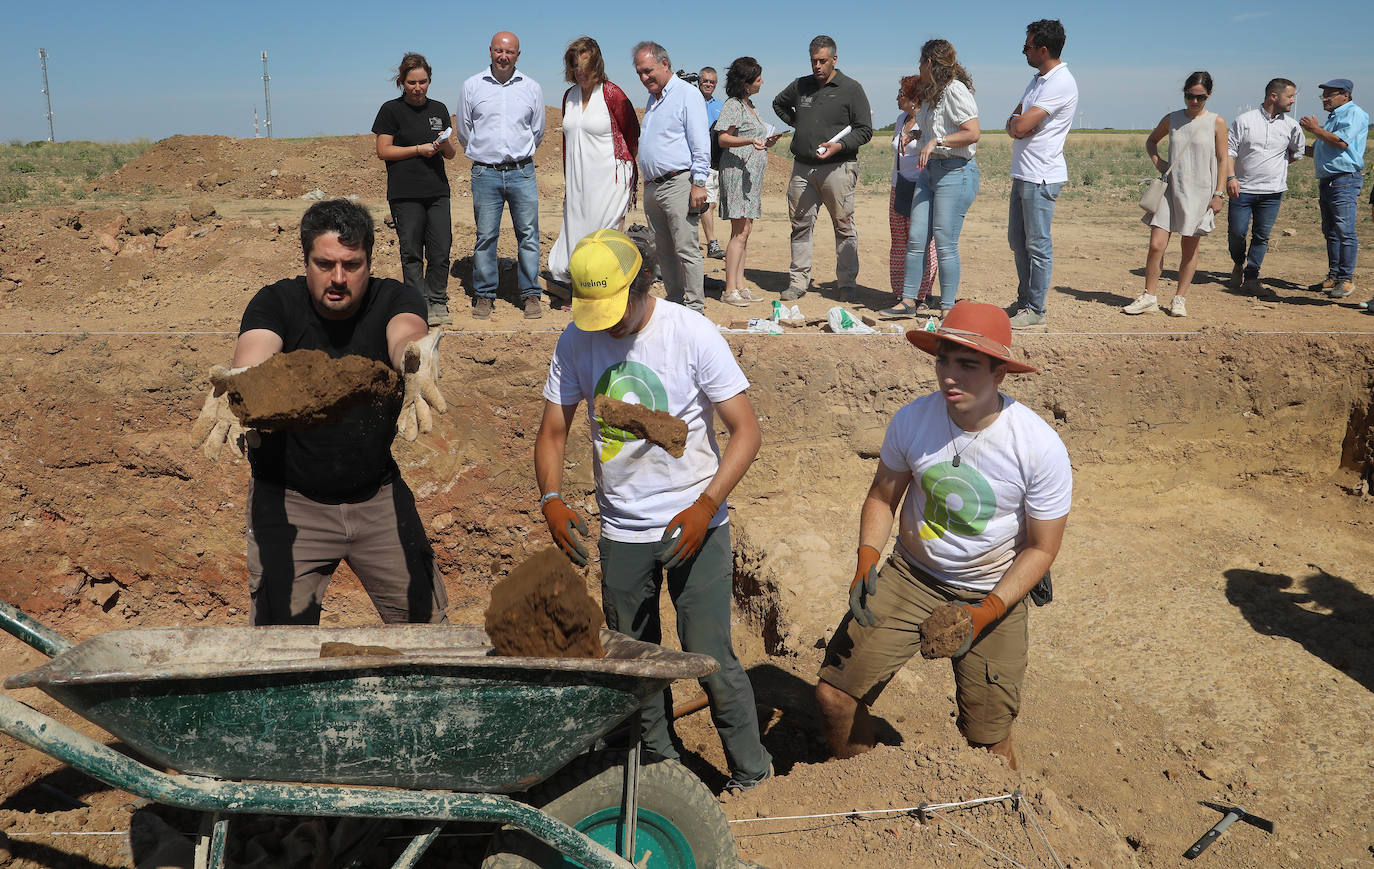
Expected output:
(500, 123)
(673, 135)
(1351, 123)
(713, 107)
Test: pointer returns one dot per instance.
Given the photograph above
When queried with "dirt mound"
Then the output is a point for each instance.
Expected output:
(304, 389)
(542, 610)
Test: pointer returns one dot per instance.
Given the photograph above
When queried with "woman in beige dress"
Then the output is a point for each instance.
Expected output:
(1195, 191)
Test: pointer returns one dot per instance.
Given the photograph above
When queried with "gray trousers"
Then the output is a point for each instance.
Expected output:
(675, 239)
(295, 544)
(810, 187)
(631, 578)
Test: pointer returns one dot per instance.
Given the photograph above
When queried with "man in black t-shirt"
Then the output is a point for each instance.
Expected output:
(333, 492)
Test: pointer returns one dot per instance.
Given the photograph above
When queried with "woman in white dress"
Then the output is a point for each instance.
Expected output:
(600, 143)
(1195, 192)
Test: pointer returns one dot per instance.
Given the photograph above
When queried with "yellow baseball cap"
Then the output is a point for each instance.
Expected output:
(603, 265)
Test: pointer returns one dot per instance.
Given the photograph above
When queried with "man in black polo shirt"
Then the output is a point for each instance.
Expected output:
(333, 492)
(830, 114)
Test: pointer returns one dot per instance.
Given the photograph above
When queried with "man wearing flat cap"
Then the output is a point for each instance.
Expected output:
(984, 486)
(1338, 155)
(661, 516)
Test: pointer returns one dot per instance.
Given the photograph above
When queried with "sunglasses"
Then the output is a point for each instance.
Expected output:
(1202, 98)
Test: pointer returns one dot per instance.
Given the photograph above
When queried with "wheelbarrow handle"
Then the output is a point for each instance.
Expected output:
(24, 626)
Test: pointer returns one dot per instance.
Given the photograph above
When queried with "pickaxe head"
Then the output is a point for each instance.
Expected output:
(1230, 814)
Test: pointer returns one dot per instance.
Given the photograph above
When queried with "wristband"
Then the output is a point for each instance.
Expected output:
(549, 497)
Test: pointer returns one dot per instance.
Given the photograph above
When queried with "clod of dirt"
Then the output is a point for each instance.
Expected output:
(654, 426)
(336, 649)
(944, 631)
(305, 388)
(542, 610)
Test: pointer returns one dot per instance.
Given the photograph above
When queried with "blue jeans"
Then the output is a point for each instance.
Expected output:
(943, 194)
(1028, 233)
(1256, 212)
(491, 190)
(1339, 198)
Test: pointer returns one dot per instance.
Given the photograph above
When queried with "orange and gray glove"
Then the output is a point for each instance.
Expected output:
(865, 583)
(217, 427)
(949, 632)
(693, 522)
(421, 372)
(566, 528)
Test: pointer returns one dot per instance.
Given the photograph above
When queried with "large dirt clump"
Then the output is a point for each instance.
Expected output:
(305, 388)
(542, 610)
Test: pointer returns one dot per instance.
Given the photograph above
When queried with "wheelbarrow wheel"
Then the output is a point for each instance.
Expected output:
(681, 825)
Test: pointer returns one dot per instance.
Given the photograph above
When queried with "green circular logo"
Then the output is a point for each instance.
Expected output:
(632, 382)
(958, 501)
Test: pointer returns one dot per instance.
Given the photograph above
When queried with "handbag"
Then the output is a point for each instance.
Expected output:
(906, 192)
(1154, 192)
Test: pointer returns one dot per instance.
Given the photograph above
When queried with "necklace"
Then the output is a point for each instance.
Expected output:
(953, 448)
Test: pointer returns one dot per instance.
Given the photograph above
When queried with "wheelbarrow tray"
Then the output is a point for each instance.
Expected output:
(259, 703)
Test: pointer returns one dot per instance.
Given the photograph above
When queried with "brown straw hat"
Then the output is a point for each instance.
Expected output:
(980, 327)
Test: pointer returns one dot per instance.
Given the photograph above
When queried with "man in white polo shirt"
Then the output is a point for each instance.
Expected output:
(1039, 126)
(1262, 143)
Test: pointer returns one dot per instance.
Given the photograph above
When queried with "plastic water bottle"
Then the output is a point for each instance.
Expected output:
(777, 310)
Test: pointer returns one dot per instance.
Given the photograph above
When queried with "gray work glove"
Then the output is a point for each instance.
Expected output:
(864, 584)
(422, 386)
(217, 428)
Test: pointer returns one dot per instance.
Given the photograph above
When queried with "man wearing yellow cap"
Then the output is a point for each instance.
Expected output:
(984, 486)
(660, 515)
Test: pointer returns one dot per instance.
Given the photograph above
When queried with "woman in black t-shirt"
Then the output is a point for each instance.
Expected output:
(414, 137)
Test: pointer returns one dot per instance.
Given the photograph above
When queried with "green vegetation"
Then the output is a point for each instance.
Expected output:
(45, 173)
(1104, 165)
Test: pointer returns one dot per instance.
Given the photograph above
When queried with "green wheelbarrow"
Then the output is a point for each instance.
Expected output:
(253, 720)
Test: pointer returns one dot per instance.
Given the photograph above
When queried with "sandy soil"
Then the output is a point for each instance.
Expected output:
(1210, 637)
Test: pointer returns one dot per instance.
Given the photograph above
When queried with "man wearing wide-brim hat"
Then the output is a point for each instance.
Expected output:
(661, 516)
(984, 486)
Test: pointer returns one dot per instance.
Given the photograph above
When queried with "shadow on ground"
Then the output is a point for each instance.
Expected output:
(1329, 616)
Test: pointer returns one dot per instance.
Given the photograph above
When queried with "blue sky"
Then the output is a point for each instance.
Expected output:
(154, 69)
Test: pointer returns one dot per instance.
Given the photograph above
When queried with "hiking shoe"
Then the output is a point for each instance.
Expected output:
(1013, 309)
(533, 309)
(791, 294)
(1178, 307)
(1252, 286)
(1238, 276)
(736, 298)
(1143, 304)
(848, 292)
(439, 315)
(714, 250)
(901, 311)
(1027, 319)
(1328, 284)
(481, 308)
(738, 786)
(1341, 290)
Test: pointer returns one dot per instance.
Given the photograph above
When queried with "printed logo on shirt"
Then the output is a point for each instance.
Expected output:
(629, 382)
(958, 501)
(436, 124)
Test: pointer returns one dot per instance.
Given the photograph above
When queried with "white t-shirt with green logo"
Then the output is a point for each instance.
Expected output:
(677, 363)
(964, 525)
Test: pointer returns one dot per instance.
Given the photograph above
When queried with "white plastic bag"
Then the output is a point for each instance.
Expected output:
(843, 322)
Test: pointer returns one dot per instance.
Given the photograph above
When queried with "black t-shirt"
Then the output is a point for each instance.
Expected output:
(413, 177)
(349, 460)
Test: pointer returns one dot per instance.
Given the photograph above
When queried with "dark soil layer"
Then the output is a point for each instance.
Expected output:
(654, 426)
(542, 610)
(306, 388)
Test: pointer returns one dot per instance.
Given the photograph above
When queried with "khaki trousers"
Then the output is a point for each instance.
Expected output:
(810, 187)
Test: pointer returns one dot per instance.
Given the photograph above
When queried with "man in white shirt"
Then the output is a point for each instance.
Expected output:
(661, 517)
(1038, 127)
(500, 121)
(984, 486)
(675, 163)
(1262, 143)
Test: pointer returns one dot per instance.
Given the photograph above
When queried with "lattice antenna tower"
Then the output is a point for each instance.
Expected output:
(47, 95)
(267, 95)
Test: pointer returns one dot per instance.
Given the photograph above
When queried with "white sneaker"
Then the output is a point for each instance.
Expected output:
(1178, 308)
(1143, 304)
(735, 298)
